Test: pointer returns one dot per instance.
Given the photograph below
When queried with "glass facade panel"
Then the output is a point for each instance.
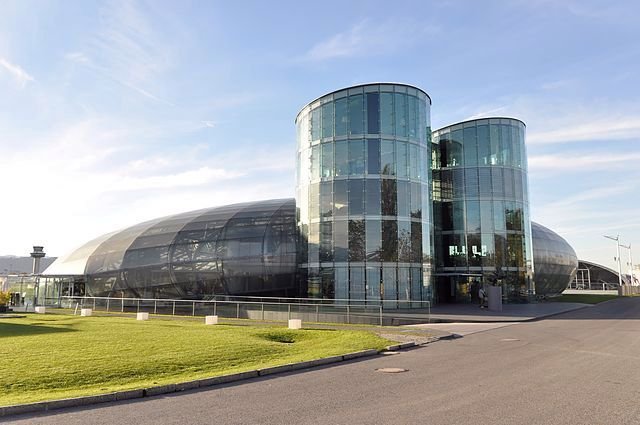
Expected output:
(387, 157)
(327, 160)
(373, 156)
(341, 159)
(341, 117)
(373, 284)
(327, 120)
(372, 206)
(356, 157)
(340, 198)
(373, 113)
(373, 240)
(389, 197)
(356, 197)
(340, 240)
(386, 114)
(356, 240)
(389, 240)
(470, 146)
(356, 115)
(400, 114)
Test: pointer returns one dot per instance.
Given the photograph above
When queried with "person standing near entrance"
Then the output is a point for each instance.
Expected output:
(483, 297)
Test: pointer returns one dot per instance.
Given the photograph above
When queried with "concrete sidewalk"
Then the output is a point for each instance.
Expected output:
(471, 313)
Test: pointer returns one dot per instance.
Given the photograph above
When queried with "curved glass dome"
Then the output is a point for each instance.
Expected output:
(555, 261)
(239, 249)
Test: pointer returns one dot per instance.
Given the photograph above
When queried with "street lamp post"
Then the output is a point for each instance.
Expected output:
(617, 239)
(631, 281)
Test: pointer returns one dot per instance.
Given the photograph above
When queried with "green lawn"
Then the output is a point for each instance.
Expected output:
(58, 356)
(583, 298)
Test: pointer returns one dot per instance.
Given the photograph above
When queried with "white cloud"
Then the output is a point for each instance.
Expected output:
(610, 128)
(20, 75)
(369, 38)
(566, 161)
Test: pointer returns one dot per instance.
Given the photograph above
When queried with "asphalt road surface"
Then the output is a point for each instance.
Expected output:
(581, 368)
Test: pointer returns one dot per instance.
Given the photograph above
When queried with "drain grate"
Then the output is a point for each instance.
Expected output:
(391, 370)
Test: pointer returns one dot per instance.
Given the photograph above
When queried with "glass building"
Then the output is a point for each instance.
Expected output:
(555, 261)
(241, 249)
(386, 212)
(481, 209)
(363, 195)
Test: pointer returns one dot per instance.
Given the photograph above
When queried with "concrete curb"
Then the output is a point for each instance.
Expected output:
(45, 406)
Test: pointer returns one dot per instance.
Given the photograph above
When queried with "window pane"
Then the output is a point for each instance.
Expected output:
(404, 241)
(341, 117)
(326, 199)
(373, 197)
(327, 160)
(356, 197)
(373, 283)
(314, 200)
(373, 113)
(327, 120)
(403, 198)
(484, 146)
(402, 163)
(387, 158)
(470, 146)
(416, 242)
(498, 215)
(389, 191)
(473, 216)
(342, 283)
(340, 198)
(389, 284)
(340, 240)
(356, 240)
(356, 283)
(328, 287)
(416, 200)
(486, 217)
(374, 239)
(315, 162)
(414, 160)
(474, 249)
(401, 114)
(356, 157)
(413, 111)
(356, 114)
(488, 259)
(496, 146)
(315, 124)
(497, 183)
(484, 180)
(341, 159)
(326, 241)
(471, 182)
(386, 113)
(373, 156)
(389, 240)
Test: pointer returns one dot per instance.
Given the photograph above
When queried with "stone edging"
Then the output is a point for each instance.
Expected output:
(45, 406)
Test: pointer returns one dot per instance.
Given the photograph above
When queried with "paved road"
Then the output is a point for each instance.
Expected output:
(581, 367)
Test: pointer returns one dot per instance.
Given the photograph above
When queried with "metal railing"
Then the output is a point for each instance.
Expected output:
(255, 308)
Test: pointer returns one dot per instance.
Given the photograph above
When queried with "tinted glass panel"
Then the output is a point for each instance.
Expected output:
(373, 197)
(356, 197)
(386, 113)
(373, 114)
(389, 240)
(373, 239)
(373, 156)
(340, 198)
(341, 117)
(356, 240)
(327, 160)
(356, 157)
(387, 158)
(389, 192)
(356, 114)
(327, 120)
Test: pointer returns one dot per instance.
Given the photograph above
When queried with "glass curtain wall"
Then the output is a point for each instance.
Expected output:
(362, 195)
(481, 207)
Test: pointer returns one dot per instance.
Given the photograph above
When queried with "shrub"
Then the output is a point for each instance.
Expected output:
(5, 296)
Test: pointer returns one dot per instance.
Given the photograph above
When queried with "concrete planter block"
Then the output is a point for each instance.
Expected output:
(210, 320)
(295, 324)
(142, 316)
(40, 310)
(86, 312)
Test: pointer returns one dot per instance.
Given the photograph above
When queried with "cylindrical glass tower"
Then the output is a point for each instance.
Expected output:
(481, 209)
(363, 195)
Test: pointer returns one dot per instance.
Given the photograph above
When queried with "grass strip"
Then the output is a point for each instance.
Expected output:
(59, 356)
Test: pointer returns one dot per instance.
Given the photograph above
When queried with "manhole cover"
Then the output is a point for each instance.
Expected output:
(510, 339)
(391, 370)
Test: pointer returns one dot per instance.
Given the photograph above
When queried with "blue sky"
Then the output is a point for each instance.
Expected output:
(116, 112)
